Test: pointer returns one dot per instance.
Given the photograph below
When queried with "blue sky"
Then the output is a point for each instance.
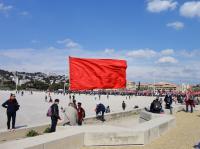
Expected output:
(158, 38)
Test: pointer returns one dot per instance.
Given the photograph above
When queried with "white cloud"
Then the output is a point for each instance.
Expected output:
(34, 60)
(70, 44)
(16, 53)
(54, 59)
(24, 13)
(190, 54)
(142, 53)
(176, 25)
(5, 8)
(190, 9)
(167, 52)
(34, 41)
(109, 51)
(167, 59)
(156, 6)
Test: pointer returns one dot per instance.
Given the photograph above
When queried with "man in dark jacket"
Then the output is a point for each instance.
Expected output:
(168, 102)
(12, 106)
(156, 106)
(54, 115)
(123, 105)
(100, 109)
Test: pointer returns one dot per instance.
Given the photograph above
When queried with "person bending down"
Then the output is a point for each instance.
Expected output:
(156, 106)
(100, 109)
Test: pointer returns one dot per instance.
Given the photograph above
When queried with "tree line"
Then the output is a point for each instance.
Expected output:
(34, 85)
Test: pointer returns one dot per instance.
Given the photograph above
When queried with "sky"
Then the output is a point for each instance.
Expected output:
(160, 39)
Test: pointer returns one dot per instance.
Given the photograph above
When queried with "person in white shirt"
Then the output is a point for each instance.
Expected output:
(70, 115)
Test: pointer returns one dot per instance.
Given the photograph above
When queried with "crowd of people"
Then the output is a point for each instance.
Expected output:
(74, 113)
(189, 99)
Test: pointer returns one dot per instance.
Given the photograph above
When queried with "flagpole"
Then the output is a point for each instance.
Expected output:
(154, 88)
(68, 73)
(64, 86)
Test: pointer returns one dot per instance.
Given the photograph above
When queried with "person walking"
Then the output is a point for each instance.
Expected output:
(189, 101)
(81, 114)
(74, 104)
(54, 115)
(12, 107)
(73, 97)
(168, 102)
(123, 105)
(46, 98)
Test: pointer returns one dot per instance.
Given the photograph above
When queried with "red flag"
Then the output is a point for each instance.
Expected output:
(86, 74)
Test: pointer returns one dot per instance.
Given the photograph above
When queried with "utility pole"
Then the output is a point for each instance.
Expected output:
(64, 86)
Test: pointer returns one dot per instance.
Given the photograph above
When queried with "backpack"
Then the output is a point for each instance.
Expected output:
(17, 107)
(156, 106)
(49, 112)
(83, 113)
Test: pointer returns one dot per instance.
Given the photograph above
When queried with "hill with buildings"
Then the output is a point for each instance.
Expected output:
(35, 81)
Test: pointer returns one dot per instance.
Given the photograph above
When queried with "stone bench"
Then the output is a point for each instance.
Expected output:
(97, 135)
(58, 140)
(21, 132)
(147, 116)
(152, 127)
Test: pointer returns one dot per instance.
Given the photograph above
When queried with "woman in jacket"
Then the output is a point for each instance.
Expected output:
(12, 106)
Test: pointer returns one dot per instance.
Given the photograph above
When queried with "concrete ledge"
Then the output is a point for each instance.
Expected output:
(102, 135)
(111, 116)
(58, 140)
(155, 128)
(147, 116)
(21, 132)
(140, 135)
(175, 109)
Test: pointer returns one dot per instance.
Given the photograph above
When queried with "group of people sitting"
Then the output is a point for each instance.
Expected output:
(156, 105)
(74, 114)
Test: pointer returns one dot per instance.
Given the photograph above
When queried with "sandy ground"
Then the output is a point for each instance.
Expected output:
(33, 108)
(185, 135)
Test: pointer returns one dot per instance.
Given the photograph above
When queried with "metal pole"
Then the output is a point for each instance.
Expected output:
(64, 86)
(154, 88)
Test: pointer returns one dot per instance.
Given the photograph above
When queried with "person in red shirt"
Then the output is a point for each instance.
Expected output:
(189, 101)
(81, 114)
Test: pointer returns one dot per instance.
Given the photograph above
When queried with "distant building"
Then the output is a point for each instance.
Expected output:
(23, 81)
(184, 87)
(158, 86)
(131, 85)
(166, 86)
(57, 81)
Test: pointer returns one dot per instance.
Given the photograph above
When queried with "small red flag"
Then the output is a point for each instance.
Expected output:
(87, 74)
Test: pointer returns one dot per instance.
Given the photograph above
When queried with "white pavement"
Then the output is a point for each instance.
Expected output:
(33, 108)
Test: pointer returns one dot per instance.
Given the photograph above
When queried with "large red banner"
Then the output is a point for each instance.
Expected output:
(87, 74)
